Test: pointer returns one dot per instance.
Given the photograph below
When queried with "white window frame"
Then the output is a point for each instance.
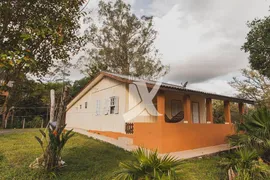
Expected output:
(114, 105)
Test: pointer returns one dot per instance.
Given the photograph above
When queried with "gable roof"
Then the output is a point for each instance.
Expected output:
(164, 86)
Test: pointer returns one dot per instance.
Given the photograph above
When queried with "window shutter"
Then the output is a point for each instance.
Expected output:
(116, 104)
(107, 106)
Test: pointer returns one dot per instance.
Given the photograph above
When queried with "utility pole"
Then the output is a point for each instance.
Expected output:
(12, 118)
(42, 123)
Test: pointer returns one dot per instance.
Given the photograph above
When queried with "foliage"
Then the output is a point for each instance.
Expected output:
(79, 85)
(246, 165)
(35, 123)
(122, 43)
(254, 86)
(149, 165)
(57, 138)
(32, 99)
(254, 133)
(45, 33)
(257, 44)
(34, 36)
(218, 112)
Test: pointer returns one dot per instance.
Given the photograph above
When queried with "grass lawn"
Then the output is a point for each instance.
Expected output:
(86, 158)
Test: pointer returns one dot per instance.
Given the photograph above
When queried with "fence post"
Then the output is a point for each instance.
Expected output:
(42, 123)
(23, 122)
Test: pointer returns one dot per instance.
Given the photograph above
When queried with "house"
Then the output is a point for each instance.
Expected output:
(117, 106)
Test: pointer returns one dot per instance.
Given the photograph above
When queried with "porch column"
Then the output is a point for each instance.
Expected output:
(241, 110)
(161, 107)
(209, 111)
(158, 131)
(227, 112)
(187, 109)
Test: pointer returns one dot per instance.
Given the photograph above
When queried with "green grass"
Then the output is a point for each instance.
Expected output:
(86, 158)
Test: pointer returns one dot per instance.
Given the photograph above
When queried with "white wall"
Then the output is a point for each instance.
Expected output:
(134, 100)
(86, 118)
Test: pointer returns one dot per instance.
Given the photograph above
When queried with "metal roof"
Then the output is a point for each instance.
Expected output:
(169, 86)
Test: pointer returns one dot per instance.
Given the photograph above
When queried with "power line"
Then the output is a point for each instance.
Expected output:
(85, 5)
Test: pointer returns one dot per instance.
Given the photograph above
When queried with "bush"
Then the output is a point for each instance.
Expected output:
(51, 157)
(253, 142)
(149, 165)
(245, 164)
(36, 122)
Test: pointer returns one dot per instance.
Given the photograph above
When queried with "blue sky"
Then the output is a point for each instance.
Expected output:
(200, 39)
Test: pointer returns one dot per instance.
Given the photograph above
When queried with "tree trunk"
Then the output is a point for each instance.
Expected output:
(5, 112)
(52, 111)
(62, 109)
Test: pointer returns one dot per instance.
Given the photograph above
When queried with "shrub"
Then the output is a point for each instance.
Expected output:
(149, 165)
(254, 133)
(245, 164)
(51, 158)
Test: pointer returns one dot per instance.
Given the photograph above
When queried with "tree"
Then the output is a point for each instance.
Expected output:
(34, 35)
(122, 43)
(79, 85)
(254, 86)
(32, 98)
(258, 45)
(218, 112)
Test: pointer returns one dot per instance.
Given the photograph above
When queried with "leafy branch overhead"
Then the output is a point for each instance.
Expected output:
(122, 43)
(258, 45)
(34, 36)
(254, 86)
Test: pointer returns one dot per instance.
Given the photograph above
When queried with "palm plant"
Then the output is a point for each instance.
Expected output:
(148, 165)
(246, 164)
(254, 132)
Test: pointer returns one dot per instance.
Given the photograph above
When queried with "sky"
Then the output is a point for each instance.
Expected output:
(200, 39)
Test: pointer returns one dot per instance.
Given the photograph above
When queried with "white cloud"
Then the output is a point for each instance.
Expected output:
(215, 86)
(201, 40)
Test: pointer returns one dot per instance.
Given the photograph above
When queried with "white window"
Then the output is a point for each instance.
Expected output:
(80, 106)
(97, 107)
(114, 105)
(85, 105)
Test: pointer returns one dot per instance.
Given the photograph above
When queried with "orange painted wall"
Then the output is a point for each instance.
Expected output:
(111, 134)
(179, 137)
(147, 135)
